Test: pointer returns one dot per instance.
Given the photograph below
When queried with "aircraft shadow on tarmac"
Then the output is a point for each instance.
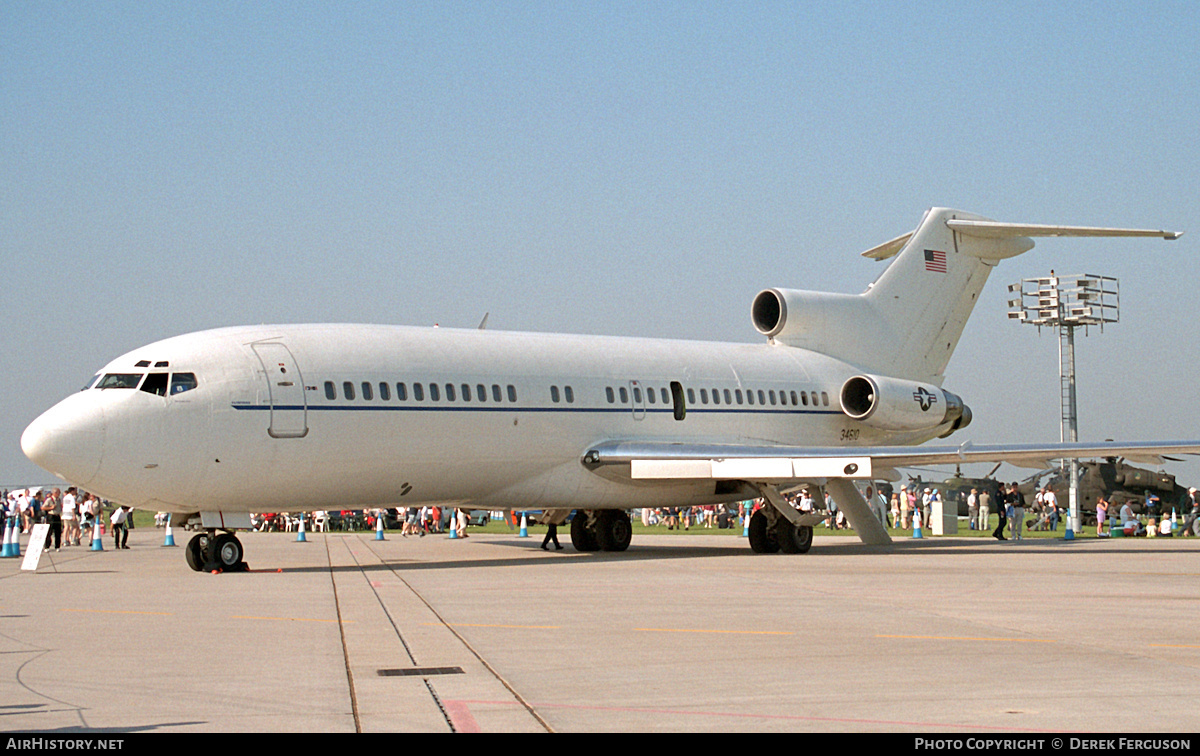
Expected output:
(690, 550)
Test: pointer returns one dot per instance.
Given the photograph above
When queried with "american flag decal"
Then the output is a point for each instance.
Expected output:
(935, 261)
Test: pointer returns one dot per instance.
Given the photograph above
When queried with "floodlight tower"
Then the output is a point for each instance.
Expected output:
(1067, 303)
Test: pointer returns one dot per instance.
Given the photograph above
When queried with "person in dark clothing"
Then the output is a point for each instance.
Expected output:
(551, 535)
(1003, 501)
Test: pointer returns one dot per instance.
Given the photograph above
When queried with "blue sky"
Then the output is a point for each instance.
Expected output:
(625, 168)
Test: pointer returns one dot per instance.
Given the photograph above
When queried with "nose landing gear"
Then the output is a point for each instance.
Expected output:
(211, 551)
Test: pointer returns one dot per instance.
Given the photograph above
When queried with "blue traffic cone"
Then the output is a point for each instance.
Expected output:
(524, 527)
(169, 540)
(97, 534)
(300, 537)
(7, 550)
(454, 524)
(917, 524)
(379, 527)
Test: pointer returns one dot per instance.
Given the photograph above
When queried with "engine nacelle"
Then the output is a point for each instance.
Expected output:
(900, 405)
(791, 315)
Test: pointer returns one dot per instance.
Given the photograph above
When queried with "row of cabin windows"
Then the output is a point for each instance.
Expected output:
(652, 396)
(418, 392)
(568, 394)
(725, 396)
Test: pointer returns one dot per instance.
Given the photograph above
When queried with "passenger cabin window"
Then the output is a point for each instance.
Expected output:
(608, 393)
(481, 392)
(512, 393)
(367, 394)
(348, 389)
(433, 393)
(155, 383)
(418, 392)
(385, 393)
(554, 394)
(496, 395)
(330, 391)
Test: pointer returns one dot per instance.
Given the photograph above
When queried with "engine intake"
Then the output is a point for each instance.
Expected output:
(900, 405)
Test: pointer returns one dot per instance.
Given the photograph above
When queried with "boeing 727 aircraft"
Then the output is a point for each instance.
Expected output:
(218, 424)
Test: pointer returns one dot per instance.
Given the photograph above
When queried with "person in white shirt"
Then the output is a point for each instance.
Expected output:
(120, 530)
(70, 518)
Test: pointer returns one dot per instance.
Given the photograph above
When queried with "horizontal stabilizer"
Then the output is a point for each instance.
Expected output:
(996, 230)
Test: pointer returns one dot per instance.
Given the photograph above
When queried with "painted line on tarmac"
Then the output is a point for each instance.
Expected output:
(1170, 645)
(715, 632)
(956, 638)
(765, 716)
(509, 627)
(119, 611)
(461, 718)
(287, 619)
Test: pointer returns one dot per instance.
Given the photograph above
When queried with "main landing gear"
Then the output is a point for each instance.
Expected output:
(215, 551)
(771, 532)
(601, 530)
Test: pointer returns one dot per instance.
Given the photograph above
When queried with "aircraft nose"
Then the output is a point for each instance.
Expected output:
(67, 439)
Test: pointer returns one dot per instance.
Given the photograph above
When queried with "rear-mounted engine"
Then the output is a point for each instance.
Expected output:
(900, 405)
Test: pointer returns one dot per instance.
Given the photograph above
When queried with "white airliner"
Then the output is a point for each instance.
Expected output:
(222, 423)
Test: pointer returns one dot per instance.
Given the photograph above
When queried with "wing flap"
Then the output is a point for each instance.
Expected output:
(655, 460)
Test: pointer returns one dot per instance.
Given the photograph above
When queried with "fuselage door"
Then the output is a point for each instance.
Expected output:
(285, 389)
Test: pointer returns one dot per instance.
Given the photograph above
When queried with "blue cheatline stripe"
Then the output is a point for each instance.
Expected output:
(510, 408)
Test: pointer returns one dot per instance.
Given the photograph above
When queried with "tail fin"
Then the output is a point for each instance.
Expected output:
(909, 321)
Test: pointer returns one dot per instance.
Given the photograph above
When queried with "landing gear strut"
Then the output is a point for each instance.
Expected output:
(212, 551)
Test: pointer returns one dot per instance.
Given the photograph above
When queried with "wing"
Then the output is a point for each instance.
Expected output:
(660, 460)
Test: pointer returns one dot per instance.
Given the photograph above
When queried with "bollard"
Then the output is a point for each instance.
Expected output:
(168, 540)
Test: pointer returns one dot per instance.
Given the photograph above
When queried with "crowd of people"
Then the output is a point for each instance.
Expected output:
(71, 514)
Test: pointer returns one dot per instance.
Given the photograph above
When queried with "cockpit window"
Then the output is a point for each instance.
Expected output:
(120, 380)
(91, 382)
(155, 383)
(181, 382)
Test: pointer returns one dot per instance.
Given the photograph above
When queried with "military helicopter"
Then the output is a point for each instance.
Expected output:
(1118, 482)
(958, 488)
